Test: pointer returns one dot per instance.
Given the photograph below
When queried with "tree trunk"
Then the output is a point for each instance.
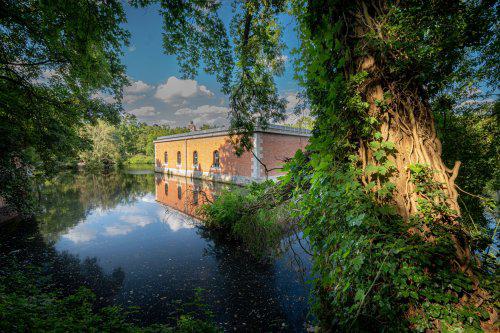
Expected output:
(408, 123)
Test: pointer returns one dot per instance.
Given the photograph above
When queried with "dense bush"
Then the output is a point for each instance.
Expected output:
(249, 217)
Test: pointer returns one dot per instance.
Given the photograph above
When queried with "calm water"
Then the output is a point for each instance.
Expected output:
(134, 239)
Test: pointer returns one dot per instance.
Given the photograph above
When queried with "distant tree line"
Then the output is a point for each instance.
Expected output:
(128, 142)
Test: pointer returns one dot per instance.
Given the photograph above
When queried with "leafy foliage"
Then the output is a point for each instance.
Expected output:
(250, 218)
(130, 141)
(373, 268)
(475, 123)
(57, 62)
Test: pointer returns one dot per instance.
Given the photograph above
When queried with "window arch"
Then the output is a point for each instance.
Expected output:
(195, 157)
(179, 160)
(179, 191)
(195, 197)
(165, 157)
(216, 163)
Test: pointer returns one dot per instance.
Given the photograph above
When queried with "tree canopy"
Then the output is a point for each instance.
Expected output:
(377, 191)
(375, 197)
(59, 61)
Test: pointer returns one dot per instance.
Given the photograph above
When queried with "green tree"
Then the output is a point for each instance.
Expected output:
(105, 145)
(475, 122)
(59, 61)
(373, 193)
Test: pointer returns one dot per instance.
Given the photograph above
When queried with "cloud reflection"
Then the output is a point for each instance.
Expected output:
(81, 233)
(118, 230)
(175, 219)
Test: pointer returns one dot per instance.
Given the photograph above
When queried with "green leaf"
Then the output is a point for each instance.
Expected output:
(360, 295)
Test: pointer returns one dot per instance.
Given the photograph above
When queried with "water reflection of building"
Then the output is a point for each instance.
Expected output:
(210, 154)
(186, 194)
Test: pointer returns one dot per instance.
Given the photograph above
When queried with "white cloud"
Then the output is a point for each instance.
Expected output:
(137, 87)
(45, 76)
(204, 90)
(118, 230)
(210, 119)
(166, 122)
(104, 97)
(129, 99)
(150, 198)
(132, 48)
(283, 58)
(174, 219)
(292, 101)
(470, 102)
(204, 109)
(143, 111)
(177, 88)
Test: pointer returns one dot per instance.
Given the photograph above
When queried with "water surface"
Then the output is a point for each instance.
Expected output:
(134, 238)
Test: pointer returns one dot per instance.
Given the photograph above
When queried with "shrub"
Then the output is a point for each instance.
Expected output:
(140, 159)
(248, 216)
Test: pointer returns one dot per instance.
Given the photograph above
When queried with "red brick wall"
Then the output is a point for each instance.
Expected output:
(276, 147)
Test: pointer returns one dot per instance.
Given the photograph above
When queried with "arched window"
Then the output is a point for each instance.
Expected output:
(216, 159)
(179, 158)
(195, 158)
(166, 188)
(165, 157)
(179, 192)
(195, 197)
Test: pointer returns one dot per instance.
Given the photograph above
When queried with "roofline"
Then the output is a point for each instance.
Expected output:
(276, 129)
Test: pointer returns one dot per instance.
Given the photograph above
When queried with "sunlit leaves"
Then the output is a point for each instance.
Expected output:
(57, 61)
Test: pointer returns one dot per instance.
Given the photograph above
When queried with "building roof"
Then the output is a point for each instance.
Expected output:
(277, 129)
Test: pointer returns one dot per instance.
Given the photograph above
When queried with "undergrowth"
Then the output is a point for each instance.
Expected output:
(250, 215)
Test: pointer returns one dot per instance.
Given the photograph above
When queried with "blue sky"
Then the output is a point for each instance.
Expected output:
(158, 95)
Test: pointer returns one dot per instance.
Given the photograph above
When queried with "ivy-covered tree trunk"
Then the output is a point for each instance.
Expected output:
(381, 207)
(406, 120)
(407, 151)
(375, 200)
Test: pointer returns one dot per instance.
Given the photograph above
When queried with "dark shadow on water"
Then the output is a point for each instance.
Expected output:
(141, 256)
(22, 245)
(253, 297)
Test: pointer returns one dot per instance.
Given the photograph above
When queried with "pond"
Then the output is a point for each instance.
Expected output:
(135, 239)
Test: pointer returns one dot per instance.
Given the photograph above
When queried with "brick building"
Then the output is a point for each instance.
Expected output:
(210, 155)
